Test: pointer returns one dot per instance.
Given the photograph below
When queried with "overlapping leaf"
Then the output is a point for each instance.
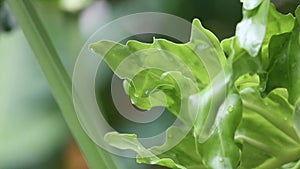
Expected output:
(173, 75)
(219, 149)
(156, 78)
(262, 132)
(178, 157)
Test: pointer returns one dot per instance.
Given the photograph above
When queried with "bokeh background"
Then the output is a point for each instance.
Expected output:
(33, 134)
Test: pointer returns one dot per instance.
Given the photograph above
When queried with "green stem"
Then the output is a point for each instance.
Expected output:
(58, 79)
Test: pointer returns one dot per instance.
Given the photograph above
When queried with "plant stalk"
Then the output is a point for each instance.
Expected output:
(59, 80)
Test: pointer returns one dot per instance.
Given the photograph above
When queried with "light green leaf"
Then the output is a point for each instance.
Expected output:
(220, 150)
(297, 13)
(251, 4)
(174, 76)
(158, 78)
(165, 55)
(277, 24)
(183, 156)
(259, 24)
(267, 130)
(251, 30)
(164, 73)
(239, 59)
(297, 118)
(152, 87)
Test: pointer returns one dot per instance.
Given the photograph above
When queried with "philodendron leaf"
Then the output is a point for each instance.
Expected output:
(297, 13)
(240, 56)
(183, 156)
(251, 4)
(260, 22)
(297, 118)
(277, 24)
(267, 131)
(284, 70)
(164, 73)
(191, 59)
(231, 129)
(297, 108)
(171, 89)
(251, 30)
(219, 150)
(240, 61)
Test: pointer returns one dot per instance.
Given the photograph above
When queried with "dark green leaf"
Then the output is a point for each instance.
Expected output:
(284, 70)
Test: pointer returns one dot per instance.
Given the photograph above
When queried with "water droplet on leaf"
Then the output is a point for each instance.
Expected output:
(230, 109)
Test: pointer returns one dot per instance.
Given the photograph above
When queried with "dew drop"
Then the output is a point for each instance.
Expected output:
(92, 49)
(203, 46)
(173, 155)
(147, 92)
(230, 109)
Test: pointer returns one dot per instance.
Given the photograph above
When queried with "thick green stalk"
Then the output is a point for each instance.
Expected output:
(58, 79)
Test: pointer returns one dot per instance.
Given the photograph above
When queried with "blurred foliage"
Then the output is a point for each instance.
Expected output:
(219, 16)
(31, 127)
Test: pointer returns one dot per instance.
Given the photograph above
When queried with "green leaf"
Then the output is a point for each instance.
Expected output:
(152, 87)
(240, 56)
(297, 118)
(297, 13)
(183, 156)
(251, 4)
(260, 22)
(267, 130)
(184, 153)
(239, 59)
(284, 71)
(251, 30)
(164, 73)
(165, 55)
(297, 108)
(173, 75)
(277, 24)
(219, 150)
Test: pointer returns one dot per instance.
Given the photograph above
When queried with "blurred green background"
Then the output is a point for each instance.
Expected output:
(33, 134)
